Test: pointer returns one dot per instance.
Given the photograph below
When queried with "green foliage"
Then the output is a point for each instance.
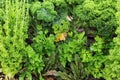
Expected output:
(77, 69)
(1, 3)
(13, 48)
(71, 37)
(112, 66)
(74, 72)
(46, 36)
(11, 43)
(59, 3)
(71, 47)
(97, 46)
(35, 6)
(98, 14)
(94, 59)
(61, 26)
(33, 63)
(47, 43)
(44, 11)
(1, 15)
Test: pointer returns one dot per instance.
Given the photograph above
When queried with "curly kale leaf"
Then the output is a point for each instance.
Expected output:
(44, 11)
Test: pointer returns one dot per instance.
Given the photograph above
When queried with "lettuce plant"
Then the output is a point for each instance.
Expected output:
(71, 47)
(112, 66)
(94, 59)
(99, 15)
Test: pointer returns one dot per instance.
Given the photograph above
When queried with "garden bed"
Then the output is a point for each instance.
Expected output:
(59, 39)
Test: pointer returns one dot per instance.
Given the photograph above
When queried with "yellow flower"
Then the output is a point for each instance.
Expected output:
(61, 37)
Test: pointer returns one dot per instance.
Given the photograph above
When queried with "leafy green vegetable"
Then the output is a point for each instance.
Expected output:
(97, 59)
(44, 11)
(12, 37)
(75, 38)
(112, 66)
(98, 14)
(70, 48)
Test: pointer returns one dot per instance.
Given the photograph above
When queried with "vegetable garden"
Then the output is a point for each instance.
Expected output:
(59, 40)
